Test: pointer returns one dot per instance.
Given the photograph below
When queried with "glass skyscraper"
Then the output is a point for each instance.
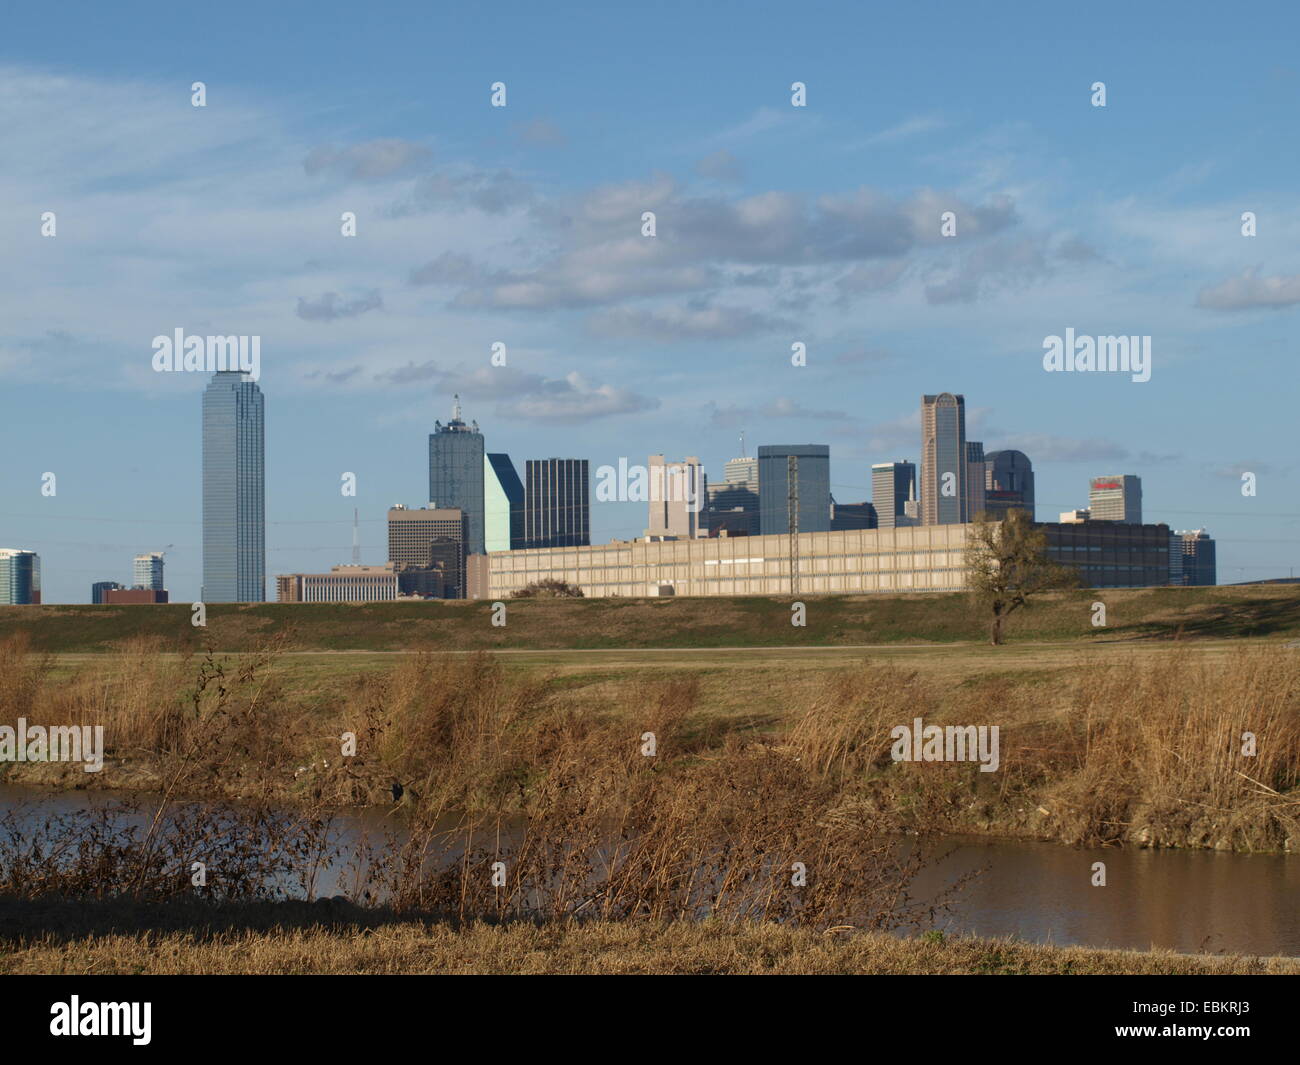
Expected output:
(557, 507)
(20, 577)
(456, 461)
(503, 504)
(814, 482)
(893, 486)
(234, 490)
(944, 470)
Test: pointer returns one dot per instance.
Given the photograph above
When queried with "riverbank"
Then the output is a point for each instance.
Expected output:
(1173, 745)
(284, 938)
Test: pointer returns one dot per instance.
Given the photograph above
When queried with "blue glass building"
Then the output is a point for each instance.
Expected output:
(234, 490)
(774, 488)
(456, 473)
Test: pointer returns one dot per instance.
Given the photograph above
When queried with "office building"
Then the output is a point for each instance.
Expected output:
(134, 596)
(147, 571)
(1195, 552)
(1008, 484)
(846, 516)
(1070, 517)
(1116, 499)
(1111, 554)
(98, 589)
(731, 506)
(429, 537)
(975, 474)
(234, 490)
(503, 504)
(20, 577)
(893, 486)
(813, 484)
(677, 497)
(943, 459)
(557, 503)
(457, 471)
(343, 584)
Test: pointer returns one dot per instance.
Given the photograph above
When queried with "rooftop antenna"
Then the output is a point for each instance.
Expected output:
(356, 540)
(742, 443)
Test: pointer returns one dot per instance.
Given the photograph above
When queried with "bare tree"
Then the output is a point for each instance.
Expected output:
(1006, 563)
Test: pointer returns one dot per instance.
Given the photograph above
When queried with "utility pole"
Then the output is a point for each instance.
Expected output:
(792, 508)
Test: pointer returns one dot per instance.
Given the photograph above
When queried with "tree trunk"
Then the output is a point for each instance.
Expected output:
(995, 633)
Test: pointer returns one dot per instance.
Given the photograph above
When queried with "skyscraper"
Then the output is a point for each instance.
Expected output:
(943, 459)
(20, 577)
(1116, 499)
(234, 490)
(1008, 483)
(732, 504)
(814, 485)
(893, 485)
(557, 503)
(975, 472)
(422, 539)
(676, 502)
(147, 571)
(456, 469)
(1194, 551)
(503, 504)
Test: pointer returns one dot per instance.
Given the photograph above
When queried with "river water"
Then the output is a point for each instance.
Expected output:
(1039, 892)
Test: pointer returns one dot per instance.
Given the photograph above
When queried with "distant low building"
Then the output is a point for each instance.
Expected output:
(852, 516)
(134, 596)
(1070, 517)
(343, 584)
(98, 589)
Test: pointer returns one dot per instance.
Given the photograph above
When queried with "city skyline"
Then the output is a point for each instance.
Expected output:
(499, 256)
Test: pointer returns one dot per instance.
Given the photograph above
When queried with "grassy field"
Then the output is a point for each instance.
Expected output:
(286, 938)
(1260, 611)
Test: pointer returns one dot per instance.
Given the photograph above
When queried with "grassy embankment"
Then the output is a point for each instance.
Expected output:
(297, 938)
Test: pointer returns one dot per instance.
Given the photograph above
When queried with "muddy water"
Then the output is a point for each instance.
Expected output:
(1039, 892)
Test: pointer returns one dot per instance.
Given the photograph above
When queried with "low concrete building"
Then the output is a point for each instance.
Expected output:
(853, 561)
(926, 558)
(343, 584)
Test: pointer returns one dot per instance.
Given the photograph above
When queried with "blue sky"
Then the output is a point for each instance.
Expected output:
(521, 225)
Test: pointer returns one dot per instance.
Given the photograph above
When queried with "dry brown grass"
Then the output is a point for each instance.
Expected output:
(1144, 749)
(377, 946)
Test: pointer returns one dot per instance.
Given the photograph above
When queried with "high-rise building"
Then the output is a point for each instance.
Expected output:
(1194, 550)
(557, 503)
(893, 486)
(456, 472)
(20, 577)
(503, 504)
(147, 571)
(98, 589)
(1008, 483)
(943, 459)
(975, 472)
(425, 538)
(1116, 498)
(234, 490)
(814, 487)
(732, 504)
(742, 471)
(677, 498)
(845, 516)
